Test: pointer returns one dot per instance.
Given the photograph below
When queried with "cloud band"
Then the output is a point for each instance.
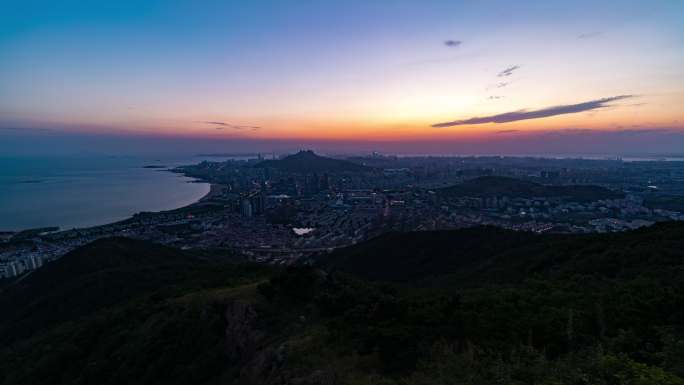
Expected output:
(536, 114)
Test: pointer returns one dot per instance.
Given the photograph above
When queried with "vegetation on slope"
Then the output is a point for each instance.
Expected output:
(117, 311)
(471, 306)
(99, 275)
(665, 202)
(489, 186)
(490, 255)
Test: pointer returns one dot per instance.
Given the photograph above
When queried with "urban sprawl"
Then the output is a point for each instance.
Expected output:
(279, 210)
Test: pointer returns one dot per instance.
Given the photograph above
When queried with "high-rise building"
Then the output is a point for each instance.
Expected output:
(325, 182)
(11, 269)
(256, 199)
(33, 262)
(246, 208)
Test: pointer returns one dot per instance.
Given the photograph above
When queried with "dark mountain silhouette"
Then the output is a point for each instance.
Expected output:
(101, 274)
(309, 162)
(473, 256)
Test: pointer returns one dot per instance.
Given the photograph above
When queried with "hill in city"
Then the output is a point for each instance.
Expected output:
(490, 186)
(309, 162)
(473, 306)
(665, 202)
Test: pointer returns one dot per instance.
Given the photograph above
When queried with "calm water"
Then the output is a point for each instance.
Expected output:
(85, 191)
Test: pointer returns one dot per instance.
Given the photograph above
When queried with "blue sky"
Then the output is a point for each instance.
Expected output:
(324, 71)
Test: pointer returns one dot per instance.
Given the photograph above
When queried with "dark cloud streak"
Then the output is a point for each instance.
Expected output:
(536, 114)
(223, 125)
(25, 129)
(508, 71)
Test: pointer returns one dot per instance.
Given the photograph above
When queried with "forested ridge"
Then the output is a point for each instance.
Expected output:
(472, 306)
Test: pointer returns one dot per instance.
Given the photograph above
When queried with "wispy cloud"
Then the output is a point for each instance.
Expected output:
(453, 43)
(508, 71)
(589, 35)
(642, 131)
(223, 125)
(498, 85)
(615, 133)
(536, 114)
(25, 129)
(507, 131)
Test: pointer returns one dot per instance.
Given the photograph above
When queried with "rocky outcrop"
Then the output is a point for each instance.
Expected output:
(260, 363)
(242, 337)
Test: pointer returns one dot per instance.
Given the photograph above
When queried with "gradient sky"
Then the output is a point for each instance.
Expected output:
(412, 76)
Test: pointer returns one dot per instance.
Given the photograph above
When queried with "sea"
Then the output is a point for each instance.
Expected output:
(82, 191)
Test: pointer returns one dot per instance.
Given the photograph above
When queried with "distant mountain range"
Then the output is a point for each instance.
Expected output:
(490, 186)
(309, 162)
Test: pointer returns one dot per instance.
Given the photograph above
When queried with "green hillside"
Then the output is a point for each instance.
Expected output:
(102, 274)
(473, 306)
(488, 254)
(489, 186)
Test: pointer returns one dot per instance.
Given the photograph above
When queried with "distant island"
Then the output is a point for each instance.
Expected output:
(490, 186)
(155, 166)
(309, 162)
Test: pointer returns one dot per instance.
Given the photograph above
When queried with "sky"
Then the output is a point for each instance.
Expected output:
(523, 77)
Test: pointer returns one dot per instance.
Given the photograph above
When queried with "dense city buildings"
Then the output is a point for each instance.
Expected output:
(281, 209)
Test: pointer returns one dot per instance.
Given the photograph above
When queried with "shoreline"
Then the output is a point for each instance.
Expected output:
(204, 198)
(198, 202)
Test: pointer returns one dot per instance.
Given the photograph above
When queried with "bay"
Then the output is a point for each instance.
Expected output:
(82, 191)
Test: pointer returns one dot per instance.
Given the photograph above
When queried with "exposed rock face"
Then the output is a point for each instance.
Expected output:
(245, 346)
(242, 338)
(260, 363)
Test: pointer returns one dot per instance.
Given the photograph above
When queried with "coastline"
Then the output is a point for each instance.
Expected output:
(214, 190)
(203, 199)
(211, 192)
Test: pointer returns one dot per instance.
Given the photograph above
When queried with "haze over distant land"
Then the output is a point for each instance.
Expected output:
(403, 77)
(563, 143)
